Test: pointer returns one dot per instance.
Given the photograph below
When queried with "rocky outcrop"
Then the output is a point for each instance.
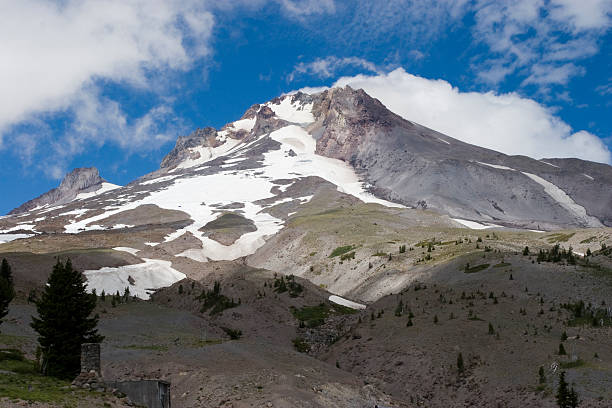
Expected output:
(79, 180)
(409, 163)
(200, 137)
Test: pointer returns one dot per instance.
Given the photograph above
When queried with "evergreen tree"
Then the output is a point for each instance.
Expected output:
(566, 398)
(460, 366)
(7, 288)
(561, 351)
(526, 251)
(542, 375)
(64, 321)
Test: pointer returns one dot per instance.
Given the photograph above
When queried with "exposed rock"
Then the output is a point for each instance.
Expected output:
(80, 180)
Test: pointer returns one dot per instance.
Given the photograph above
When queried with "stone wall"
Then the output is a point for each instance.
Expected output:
(90, 357)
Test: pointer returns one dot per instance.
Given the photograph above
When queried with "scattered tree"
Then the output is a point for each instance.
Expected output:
(566, 398)
(7, 288)
(541, 375)
(64, 322)
(561, 351)
(460, 366)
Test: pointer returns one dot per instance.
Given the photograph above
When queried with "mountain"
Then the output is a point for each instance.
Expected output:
(79, 184)
(353, 252)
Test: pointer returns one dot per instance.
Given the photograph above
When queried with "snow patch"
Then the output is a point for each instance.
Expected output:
(292, 112)
(550, 164)
(103, 189)
(497, 166)
(587, 176)
(158, 180)
(442, 140)
(132, 251)
(207, 153)
(146, 278)
(345, 302)
(564, 200)
(11, 237)
(244, 124)
(476, 225)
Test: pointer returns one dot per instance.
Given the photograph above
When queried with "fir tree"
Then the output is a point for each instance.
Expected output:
(526, 251)
(542, 377)
(566, 398)
(561, 350)
(64, 321)
(460, 366)
(7, 288)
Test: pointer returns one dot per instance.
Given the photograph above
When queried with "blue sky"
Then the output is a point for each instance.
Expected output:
(112, 83)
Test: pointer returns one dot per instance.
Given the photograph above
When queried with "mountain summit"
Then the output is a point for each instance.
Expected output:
(80, 183)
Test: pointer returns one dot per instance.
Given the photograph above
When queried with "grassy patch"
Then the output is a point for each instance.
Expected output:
(502, 265)
(379, 253)
(474, 269)
(559, 237)
(204, 343)
(572, 364)
(341, 250)
(301, 345)
(588, 240)
(9, 340)
(350, 255)
(154, 347)
(314, 316)
(25, 383)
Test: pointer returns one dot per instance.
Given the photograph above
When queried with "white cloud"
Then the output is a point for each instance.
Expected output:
(507, 123)
(53, 52)
(522, 33)
(327, 67)
(301, 8)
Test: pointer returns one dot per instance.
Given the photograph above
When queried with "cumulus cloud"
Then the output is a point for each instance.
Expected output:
(507, 123)
(328, 67)
(522, 33)
(58, 55)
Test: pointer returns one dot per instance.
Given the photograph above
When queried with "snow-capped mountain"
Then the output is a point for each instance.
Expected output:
(220, 194)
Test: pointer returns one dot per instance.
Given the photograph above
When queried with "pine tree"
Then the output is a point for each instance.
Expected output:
(526, 251)
(7, 288)
(491, 329)
(64, 321)
(460, 366)
(563, 393)
(541, 375)
(561, 350)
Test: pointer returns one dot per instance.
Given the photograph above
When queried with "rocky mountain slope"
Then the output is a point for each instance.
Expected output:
(317, 215)
(79, 184)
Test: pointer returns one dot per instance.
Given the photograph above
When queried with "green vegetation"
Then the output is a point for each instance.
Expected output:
(572, 364)
(313, 316)
(502, 265)
(301, 345)
(233, 334)
(282, 285)
(588, 240)
(64, 321)
(215, 301)
(7, 288)
(22, 381)
(582, 315)
(566, 398)
(460, 364)
(153, 347)
(475, 269)
(341, 250)
(559, 237)
(350, 255)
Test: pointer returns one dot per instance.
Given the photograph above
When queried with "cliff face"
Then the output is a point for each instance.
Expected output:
(80, 180)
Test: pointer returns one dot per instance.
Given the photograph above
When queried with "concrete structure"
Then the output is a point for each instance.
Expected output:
(150, 393)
